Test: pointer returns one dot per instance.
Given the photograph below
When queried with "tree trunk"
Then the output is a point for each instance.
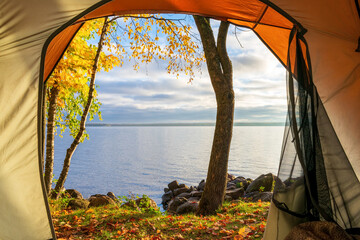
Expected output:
(70, 151)
(220, 71)
(49, 163)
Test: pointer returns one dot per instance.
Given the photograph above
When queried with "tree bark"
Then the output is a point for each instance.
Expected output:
(49, 163)
(70, 151)
(220, 71)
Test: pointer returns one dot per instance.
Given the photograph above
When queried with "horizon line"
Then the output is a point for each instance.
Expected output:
(182, 124)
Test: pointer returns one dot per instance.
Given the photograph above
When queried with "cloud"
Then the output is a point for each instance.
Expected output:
(151, 94)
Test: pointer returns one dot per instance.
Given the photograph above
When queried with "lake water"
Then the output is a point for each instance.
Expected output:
(144, 159)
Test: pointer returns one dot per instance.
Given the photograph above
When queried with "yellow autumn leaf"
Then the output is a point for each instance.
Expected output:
(90, 210)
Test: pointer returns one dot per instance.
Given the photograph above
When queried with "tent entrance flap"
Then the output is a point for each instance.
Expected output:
(312, 157)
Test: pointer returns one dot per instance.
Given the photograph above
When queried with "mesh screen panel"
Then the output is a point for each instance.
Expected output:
(315, 180)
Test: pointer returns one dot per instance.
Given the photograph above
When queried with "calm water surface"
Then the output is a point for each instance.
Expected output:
(143, 160)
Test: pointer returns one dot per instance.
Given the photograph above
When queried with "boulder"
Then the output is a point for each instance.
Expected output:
(74, 193)
(187, 207)
(143, 203)
(289, 182)
(241, 182)
(182, 186)
(201, 185)
(78, 203)
(166, 190)
(184, 195)
(196, 193)
(230, 177)
(130, 204)
(249, 180)
(235, 193)
(230, 185)
(166, 198)
(181, 190)
(173, 185)
(61, 195)
(175, 203)
(146, 203)
(262, 183)
(112, 196)
(100, 200)
(256, 196)
(193, 199)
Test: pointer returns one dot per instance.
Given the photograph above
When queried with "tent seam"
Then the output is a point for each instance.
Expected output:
(261, 16)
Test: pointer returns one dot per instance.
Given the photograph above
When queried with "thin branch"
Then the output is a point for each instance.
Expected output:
(238, 38)
(221, 48)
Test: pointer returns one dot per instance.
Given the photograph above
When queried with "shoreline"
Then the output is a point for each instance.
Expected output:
(181, 199)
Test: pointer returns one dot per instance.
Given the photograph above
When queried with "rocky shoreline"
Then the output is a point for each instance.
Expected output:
(181, 199)
(76, 200)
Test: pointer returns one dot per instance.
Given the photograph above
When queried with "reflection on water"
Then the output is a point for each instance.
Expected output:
(143, 160)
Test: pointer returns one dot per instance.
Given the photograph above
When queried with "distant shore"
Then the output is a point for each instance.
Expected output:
(180, 124)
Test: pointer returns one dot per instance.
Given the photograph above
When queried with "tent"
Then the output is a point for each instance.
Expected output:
(317, 41)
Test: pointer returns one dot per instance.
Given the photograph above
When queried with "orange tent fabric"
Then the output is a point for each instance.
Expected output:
(272, 27)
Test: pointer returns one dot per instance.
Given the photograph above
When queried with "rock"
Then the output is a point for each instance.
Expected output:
(78, 203)
(289, 182)
(239, 179)
(74, 193)
(100, 200)
(182, 186)
(166, 190)
(146, 203)
(281, 186)
(201, 185)
(235, 193)
(193, 199)
(184, 195)
(112, 196)
(130, 204)
(143, 203)
(166, 198)
(230, 185)
(62, 193)
(175, 203)
(256, 196)
(187, 207)
(181, 190)
(173, 185)
(227, 198)
(192, 188)
(196, 193)
(263, 183)
(230, 177)
(241, 182)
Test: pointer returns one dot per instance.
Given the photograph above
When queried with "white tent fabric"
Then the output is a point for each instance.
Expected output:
(24, 28)
(333, 29)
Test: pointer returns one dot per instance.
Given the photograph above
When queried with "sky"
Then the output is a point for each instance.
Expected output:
(151, 95)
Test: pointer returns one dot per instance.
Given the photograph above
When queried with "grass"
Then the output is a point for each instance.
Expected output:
(234, 220)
